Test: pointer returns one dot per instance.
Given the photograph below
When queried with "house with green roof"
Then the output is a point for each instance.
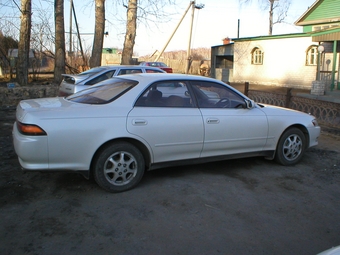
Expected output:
(290, 60)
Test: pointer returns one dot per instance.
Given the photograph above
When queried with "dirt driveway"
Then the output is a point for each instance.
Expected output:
(246, 206)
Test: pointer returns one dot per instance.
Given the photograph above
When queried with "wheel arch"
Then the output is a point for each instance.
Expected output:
(140, 146)
(299, 126)
(302, 128)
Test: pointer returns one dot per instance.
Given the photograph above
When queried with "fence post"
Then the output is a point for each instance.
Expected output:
(288, 97)
(246, 88)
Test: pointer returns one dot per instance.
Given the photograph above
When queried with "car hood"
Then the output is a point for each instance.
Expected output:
(281, 111)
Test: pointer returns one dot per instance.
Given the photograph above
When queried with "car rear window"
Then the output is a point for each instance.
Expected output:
(92, 71)
(104, 92)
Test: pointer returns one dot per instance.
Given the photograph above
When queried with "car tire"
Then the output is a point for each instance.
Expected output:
(291, 147)
(119, 167)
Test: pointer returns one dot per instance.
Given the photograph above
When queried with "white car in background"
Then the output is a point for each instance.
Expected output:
(119, 128)
(73, 83)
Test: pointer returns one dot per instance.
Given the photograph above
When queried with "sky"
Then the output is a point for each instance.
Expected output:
(216, 21)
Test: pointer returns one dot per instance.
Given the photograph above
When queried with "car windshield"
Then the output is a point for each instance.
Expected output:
(105, 92)
(162, 64)
(92, 71)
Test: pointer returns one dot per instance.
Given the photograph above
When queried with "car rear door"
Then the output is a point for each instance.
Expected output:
(170, 124)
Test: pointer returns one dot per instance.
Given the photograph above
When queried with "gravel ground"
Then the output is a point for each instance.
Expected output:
(245, 206)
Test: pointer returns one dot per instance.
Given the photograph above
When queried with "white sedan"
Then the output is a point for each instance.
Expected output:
(123, 126)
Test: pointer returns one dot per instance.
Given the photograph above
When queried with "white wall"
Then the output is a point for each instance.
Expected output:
(284, 62)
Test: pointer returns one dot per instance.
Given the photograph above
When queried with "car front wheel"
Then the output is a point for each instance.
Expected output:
(291, 147)
(119, 167)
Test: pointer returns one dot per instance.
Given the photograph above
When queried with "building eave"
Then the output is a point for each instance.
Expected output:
(271, 37)
(300, 21)
(320, 21)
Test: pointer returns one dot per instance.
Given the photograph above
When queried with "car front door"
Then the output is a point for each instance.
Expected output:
(230, 127)
(170, 124)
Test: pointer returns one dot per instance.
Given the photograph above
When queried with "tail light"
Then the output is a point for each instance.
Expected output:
(30, 129)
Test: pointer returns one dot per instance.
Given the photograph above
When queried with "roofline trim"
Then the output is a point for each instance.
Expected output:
(311, 8)
(270, 37)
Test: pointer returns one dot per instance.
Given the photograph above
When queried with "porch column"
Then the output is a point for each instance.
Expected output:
(334, 65)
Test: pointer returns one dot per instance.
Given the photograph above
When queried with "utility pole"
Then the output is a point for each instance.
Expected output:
(190, 35)
(194, 6)
(79, 39)
(173, 33)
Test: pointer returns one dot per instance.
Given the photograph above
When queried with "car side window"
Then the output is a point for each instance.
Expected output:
(172, 94)
(101, 77)
(214, 95)
(129, 71)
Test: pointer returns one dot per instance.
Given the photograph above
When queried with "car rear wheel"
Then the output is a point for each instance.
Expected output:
(119, 167)
(291, 147)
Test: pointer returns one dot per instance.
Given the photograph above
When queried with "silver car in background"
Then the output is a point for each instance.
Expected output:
(123, 126)
(73, 83)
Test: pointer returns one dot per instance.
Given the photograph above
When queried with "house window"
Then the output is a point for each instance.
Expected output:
(312, 56)
(257, 56)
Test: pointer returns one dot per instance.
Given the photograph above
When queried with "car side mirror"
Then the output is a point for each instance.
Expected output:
(249, 103)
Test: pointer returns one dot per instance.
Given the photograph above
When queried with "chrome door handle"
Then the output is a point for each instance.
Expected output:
(139, 122)
(213, 121)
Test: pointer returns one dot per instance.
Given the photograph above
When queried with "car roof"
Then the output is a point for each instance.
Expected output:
(109, 67)
(152, 62)
(125, 66)
(150, 77)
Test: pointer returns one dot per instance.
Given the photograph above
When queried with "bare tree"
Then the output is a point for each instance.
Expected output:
(42, 34)
(59, 64)
(280, 7)
(130, 35)
(6, 43)
(98, 40)
(149, 11)
(24, 42)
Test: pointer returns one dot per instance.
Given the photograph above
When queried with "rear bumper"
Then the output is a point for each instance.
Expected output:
(63, 94)
(32, 151)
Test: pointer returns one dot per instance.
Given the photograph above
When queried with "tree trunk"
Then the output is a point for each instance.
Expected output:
(281, 7)
(271, 16)
(24, 42)
(59, 61)
(98, 40)
(131, 27)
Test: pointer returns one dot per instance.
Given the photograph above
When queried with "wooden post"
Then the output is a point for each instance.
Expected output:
(246, 88)
(288, 97)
